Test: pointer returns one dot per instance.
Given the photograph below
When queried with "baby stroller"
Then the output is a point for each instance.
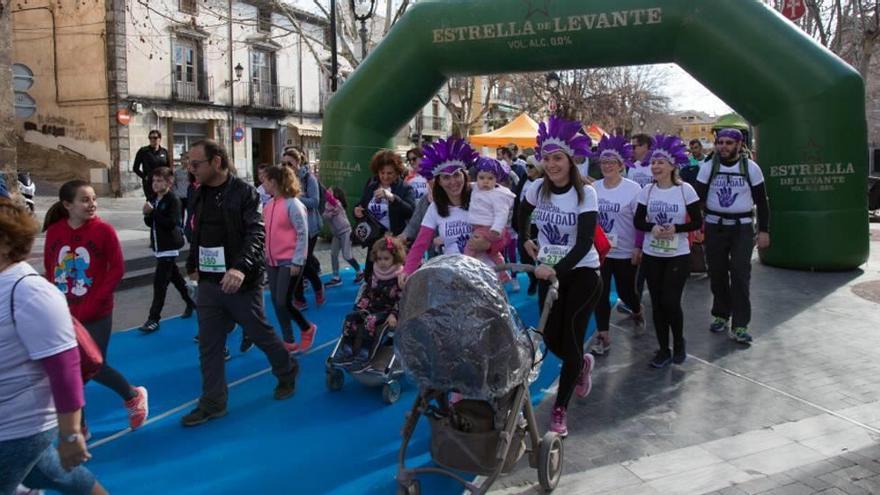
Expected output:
(381, 368)
(458, 334)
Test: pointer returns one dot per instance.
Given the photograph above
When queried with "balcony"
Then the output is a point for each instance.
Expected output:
(433, 123)
(265, 96)
(201, 91)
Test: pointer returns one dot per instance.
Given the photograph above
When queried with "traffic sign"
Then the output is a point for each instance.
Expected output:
(123, 116)
(794, 9)
(238, 134)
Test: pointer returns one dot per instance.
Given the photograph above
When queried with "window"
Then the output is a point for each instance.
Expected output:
(262, 78)
(188, 6)
(436, 124)
(189, 77)
(187, 133)
(264, 19)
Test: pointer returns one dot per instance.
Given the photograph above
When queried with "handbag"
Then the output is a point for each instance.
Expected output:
(600, 240)
(90, 358)
(366, 230)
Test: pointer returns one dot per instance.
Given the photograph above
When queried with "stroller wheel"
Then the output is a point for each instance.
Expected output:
(550, 455)
(391, 392)
(412, 488)
(334, 379)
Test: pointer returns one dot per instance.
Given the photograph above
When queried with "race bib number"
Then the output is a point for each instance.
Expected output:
(212, 259)
(663, 246)
(612, 239)
(550, 255)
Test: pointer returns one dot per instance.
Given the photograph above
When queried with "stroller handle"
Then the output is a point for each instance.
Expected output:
(552, 292)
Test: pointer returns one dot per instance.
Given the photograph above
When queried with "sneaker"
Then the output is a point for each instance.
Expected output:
(307, 337)
(319, 297)
(661, 359)
(679, 353)
(514, 285)
(557, 421)
(246, 344)
(585, 378)
(301, 305)
(226, 354)
(359, 278)
(188, 311)
(149, 326)
(336, 281)
(363, 355)
(138, 408)
(196, 338)
(199, 416)
(291, 347)
(87, 435)
(287, 384)
(741, 335)
(718, 325)
(638, 319)
(599, 347)
(623, 308)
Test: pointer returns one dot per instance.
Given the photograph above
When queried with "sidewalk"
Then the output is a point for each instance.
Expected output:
(797, 413)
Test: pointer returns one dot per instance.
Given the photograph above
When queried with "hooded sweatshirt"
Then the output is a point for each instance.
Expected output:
(86, 265)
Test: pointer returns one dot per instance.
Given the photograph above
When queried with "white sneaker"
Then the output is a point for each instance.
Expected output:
(599, 347)
(514, 285)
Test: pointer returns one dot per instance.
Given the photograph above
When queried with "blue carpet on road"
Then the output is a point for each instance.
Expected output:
(315, 443)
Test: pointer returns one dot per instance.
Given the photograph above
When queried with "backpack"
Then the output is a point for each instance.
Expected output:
(322, 196)
(743, 168)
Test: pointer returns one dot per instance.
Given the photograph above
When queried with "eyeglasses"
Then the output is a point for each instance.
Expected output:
(196, 163)
(154, 137)
(726, 142)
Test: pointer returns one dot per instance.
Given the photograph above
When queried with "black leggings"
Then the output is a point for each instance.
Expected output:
(579, 290)
(312, 271)
(624, 273)
(666, 278)
(167, 271)
(280, 283)
(100, 331)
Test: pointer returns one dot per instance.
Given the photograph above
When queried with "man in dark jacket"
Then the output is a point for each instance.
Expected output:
(150, 158)
(226, 257)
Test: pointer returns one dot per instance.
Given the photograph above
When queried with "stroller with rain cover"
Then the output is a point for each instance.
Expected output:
(458, 334)
(381, 368)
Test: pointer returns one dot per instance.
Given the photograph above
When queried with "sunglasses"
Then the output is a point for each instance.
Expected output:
(726, 142)
(412, 159)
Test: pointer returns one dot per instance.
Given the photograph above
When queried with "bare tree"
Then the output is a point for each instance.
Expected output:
(621, 99)
(469, 100)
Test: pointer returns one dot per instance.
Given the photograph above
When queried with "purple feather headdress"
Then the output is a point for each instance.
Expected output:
(562, 135)
(493, 166)
(669, 148)
(445, 157)
(617, 148)
(734, 134)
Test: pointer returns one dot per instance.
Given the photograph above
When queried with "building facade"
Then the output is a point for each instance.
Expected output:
(105, 74)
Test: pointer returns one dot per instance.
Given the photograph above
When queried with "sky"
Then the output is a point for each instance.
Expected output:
(686, 93)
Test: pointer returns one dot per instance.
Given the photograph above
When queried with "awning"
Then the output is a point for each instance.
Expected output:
(192, 114)
(307, 130)
(522, 131)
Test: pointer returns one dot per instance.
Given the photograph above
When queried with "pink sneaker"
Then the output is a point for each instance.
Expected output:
(138, 408)
(557, 421)
(320, 299)
(291, 347)
(306, 338)
(585, 378)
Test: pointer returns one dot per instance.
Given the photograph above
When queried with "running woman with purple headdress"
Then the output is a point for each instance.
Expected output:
(565, 210)
(732, 186)
(489, 212)
(668, 209)
(617, 206)
(445, 161)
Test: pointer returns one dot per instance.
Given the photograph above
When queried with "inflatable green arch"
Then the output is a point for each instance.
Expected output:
(807, 105)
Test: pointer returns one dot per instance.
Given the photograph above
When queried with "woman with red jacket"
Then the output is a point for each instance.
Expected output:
(83, 258)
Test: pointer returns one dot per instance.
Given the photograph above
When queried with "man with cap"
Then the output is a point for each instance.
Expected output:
(731, 186)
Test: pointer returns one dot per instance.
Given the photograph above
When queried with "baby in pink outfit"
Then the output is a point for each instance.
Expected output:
(489, 210)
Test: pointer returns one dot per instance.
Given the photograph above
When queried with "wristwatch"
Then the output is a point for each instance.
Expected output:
(72, 438)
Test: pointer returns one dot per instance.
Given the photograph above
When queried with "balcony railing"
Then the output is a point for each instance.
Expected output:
(200, 91)
(433, 123)
(267, 96)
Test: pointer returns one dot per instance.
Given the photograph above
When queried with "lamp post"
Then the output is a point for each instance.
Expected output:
(363, 12)
(552, 80)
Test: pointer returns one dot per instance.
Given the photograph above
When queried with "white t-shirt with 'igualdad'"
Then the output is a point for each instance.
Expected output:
(557, 222)
(454, 229)
(617, 207)
(667, 206)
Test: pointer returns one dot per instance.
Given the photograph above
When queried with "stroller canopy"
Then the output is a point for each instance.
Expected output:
(457, 331)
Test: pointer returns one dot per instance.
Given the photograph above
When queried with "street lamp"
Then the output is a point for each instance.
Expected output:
(552, 79)
(363, 12)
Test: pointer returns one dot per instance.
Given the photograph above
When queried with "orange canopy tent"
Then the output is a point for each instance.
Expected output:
(521, 131)
(595, 132)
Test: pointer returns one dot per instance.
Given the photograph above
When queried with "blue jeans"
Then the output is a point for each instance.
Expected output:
(34, 462)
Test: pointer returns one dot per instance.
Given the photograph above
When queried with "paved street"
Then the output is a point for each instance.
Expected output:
(797, 413)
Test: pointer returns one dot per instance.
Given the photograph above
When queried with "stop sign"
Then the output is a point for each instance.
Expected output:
(794, 9)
